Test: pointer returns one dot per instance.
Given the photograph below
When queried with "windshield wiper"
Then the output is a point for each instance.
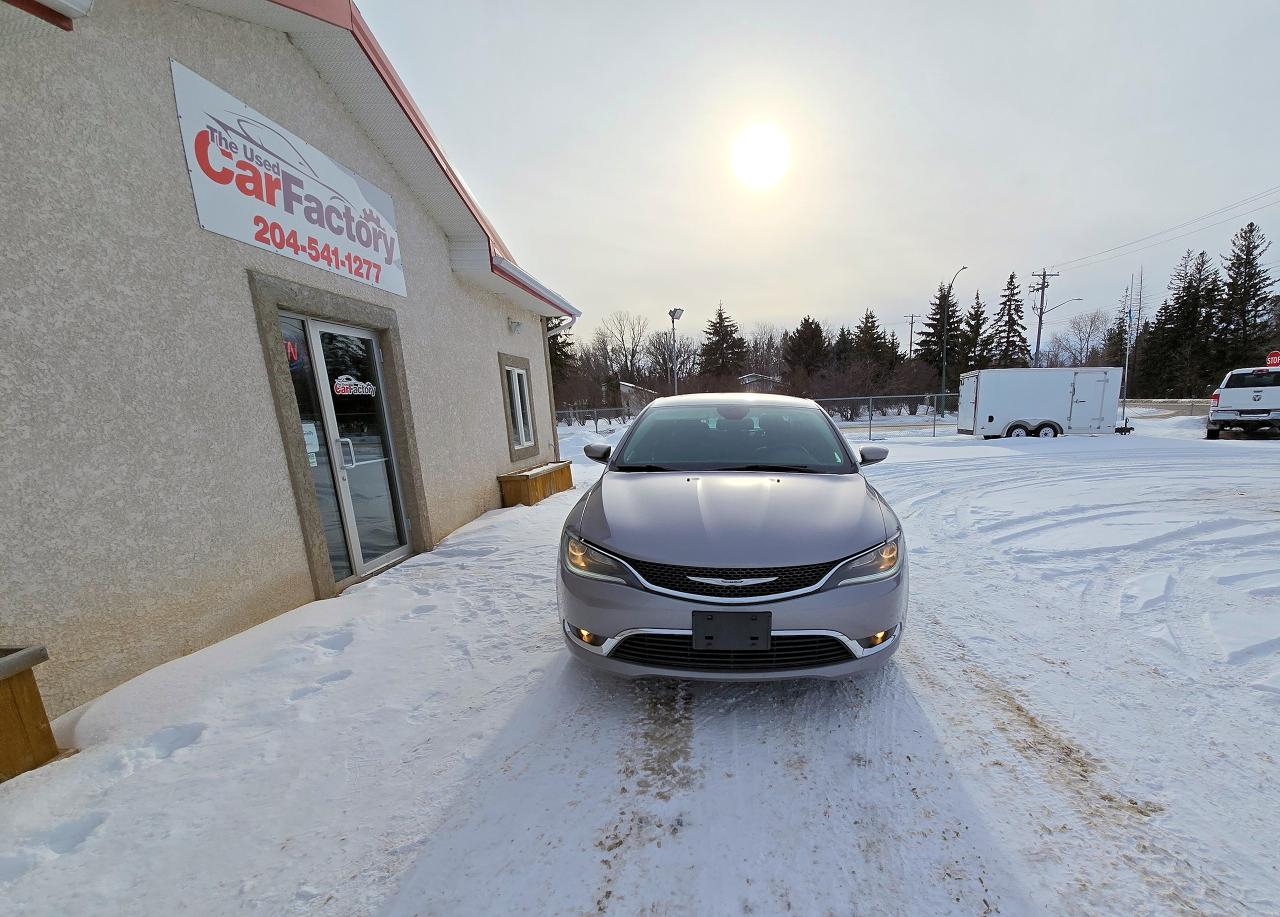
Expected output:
(642, 468)
(801, 468)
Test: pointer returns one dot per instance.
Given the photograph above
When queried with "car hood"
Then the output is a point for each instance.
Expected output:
(732, 519)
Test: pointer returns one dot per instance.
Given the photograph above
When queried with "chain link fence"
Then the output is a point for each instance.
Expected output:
(882, 413)
(853, 412)
(594, 417)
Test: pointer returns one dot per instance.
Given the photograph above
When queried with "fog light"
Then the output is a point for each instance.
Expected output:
(585, 635)
(875, 639)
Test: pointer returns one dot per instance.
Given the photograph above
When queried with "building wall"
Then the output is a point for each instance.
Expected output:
(147, 507)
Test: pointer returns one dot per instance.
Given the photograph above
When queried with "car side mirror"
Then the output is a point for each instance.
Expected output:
(869, 455)
(597, 452)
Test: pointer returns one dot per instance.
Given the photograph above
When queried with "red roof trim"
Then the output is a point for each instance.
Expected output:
(345, 15)
(364, 38)
(497, 269)
(40, 11)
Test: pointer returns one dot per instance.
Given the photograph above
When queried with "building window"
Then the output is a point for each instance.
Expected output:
(517, 400)
(520, 414)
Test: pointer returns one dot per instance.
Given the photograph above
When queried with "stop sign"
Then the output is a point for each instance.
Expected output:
(1273, 358)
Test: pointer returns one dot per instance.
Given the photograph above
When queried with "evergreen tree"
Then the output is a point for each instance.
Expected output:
(563, 354)
(1175, 354)
(943, 319)
(973, 340)
(1240, 325)
(893, 357)
(724, 350)
(806, 352)
(1113, 344)
(869, 342)
(1009, 329)
(842, 351)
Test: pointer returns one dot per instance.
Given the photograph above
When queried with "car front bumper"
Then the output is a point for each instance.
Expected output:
(846, 613)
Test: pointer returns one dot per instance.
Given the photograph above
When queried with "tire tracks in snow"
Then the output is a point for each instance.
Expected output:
(1174, 871)
(1079, 776)
(654, 765)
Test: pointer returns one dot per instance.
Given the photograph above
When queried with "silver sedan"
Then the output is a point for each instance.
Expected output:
(733, 537)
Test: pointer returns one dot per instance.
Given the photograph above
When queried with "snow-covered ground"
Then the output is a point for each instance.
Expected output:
(1083, 719)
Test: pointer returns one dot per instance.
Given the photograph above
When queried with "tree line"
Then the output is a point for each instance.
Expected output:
(1213, 319)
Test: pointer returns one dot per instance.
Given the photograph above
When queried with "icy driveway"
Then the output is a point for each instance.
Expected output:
(1083, 717)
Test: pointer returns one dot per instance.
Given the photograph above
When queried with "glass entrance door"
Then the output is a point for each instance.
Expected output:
(353, 437)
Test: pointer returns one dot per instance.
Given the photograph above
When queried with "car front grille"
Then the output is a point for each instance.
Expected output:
(675, 651)
(780, 579)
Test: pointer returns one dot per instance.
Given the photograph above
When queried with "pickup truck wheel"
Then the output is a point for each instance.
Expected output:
(1212, 433)
(1017, 430)
(1048, 431)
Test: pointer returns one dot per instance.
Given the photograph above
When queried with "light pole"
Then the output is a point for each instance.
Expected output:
(1040, 314)
(945, 310)
(675, 380)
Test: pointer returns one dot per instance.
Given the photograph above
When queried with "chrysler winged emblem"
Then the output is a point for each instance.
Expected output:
(716, 581)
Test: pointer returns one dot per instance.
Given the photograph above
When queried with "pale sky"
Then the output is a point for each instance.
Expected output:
(923, 136)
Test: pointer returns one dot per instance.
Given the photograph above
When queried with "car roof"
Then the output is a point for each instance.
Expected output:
(733, 398)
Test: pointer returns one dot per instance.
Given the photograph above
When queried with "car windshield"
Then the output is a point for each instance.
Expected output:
(1253, 378)
(734, 437)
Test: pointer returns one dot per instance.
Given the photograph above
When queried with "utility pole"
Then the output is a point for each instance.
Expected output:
(1040, 288)
(911, 334)
(1128, 338)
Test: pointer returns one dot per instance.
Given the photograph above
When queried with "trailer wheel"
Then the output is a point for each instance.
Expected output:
(1017, 430)
(1047, 431)
(1212, 433)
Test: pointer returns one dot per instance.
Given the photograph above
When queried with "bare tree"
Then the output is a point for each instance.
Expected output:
(625, 333)
(1081, 343)
(764, 350)
(658, 355)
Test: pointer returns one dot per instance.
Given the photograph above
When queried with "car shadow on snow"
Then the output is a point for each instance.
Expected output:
(664, 796)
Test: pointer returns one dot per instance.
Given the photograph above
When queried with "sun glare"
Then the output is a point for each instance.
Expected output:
(761, 156)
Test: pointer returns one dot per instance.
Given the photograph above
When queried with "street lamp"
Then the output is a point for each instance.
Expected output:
(945, 310)
(1035, 361)
(675, 382)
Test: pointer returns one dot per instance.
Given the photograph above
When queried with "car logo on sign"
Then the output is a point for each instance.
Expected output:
(348, 385)
(715, 581)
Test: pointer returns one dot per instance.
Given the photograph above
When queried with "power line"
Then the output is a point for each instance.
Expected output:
(1134, 251)
(1204, 216)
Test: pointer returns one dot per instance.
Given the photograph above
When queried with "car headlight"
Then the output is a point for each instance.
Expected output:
(880, 562)
(584, 560)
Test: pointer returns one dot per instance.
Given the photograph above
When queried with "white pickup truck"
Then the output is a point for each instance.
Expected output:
(1248, 400)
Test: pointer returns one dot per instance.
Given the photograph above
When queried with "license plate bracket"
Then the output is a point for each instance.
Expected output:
(732, 631)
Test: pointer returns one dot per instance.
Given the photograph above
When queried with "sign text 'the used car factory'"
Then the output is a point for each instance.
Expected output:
(258, 183)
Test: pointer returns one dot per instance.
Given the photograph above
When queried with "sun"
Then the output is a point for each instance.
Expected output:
(761, 156)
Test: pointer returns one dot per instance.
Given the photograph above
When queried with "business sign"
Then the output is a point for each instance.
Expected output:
(255, 182)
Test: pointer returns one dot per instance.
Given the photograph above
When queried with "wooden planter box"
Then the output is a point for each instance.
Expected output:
(26, 741)
(528, 487)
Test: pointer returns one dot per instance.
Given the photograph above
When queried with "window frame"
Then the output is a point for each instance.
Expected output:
(517, 403)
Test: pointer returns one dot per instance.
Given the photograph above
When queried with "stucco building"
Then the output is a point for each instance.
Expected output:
(258, 341)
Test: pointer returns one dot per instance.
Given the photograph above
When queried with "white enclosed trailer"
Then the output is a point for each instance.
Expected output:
(1039, 402)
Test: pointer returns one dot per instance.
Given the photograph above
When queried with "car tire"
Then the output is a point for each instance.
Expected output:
(1046, 431)
(1212, 433)
(1017, 431)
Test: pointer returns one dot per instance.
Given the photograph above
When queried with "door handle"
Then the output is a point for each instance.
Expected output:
(343, 441)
